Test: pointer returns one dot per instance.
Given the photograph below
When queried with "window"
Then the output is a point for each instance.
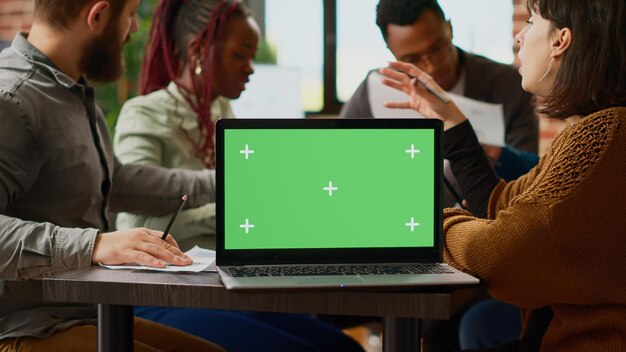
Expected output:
(360, 45)
(294, 30)
(300, 32)
(483, 27)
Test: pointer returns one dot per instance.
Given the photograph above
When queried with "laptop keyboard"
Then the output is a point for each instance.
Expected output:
(314, 270)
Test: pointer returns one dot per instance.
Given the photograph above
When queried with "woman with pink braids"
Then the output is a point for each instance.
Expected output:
(199, 56)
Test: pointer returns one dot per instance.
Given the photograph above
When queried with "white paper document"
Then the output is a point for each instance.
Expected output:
(487, 119)
(203, 260)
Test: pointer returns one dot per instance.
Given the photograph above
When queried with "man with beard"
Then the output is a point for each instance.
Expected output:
(58, 179)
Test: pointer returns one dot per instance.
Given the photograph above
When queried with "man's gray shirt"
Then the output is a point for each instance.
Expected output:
(58, 180)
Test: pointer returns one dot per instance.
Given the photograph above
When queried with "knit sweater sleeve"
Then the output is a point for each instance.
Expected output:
(522, 252)
(504, 192)
(486, 247)
(504, 253)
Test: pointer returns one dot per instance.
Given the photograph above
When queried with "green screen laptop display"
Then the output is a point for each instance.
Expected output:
(329, 188)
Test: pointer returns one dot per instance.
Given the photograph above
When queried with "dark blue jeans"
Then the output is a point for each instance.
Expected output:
(251, 331)
(484, 324)
(489, 323)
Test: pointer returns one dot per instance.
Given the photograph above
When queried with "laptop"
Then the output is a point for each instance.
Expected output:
(312, 203)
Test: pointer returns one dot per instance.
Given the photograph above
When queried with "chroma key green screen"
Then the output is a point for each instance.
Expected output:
(329, 188)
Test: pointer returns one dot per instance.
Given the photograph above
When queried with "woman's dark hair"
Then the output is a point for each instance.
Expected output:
(404, 12)
(592, 75)
(176, 24)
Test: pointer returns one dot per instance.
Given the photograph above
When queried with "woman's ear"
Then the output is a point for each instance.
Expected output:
(195, 58)
(191, 53)
(98, 16)
(561, 41)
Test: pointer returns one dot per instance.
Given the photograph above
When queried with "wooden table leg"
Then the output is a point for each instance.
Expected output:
(401, 335)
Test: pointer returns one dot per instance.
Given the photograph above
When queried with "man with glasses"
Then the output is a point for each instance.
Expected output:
(417, 31)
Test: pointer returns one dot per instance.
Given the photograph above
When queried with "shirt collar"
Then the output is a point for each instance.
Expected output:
(31, 54)
(220, 107)
(459, 86)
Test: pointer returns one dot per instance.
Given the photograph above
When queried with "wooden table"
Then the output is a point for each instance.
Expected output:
(117, 291)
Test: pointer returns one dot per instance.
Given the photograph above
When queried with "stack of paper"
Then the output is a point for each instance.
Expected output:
(203, 260)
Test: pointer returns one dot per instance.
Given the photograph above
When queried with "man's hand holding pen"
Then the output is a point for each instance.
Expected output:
(425, 95)
(141, 246)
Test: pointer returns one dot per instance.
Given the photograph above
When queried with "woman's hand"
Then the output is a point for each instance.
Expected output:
(405, 77)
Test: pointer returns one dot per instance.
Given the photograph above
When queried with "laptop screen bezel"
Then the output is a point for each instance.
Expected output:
(327, 255)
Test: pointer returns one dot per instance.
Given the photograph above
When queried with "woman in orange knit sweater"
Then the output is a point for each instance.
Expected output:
(555, 237)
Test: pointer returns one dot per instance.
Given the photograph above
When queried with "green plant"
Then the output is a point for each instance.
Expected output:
(266, 53)
(112, 96)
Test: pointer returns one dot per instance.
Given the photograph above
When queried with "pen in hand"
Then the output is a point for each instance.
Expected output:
(169, 225)
(440, 96)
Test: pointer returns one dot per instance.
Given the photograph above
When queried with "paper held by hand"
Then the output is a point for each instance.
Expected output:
(487, 119)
